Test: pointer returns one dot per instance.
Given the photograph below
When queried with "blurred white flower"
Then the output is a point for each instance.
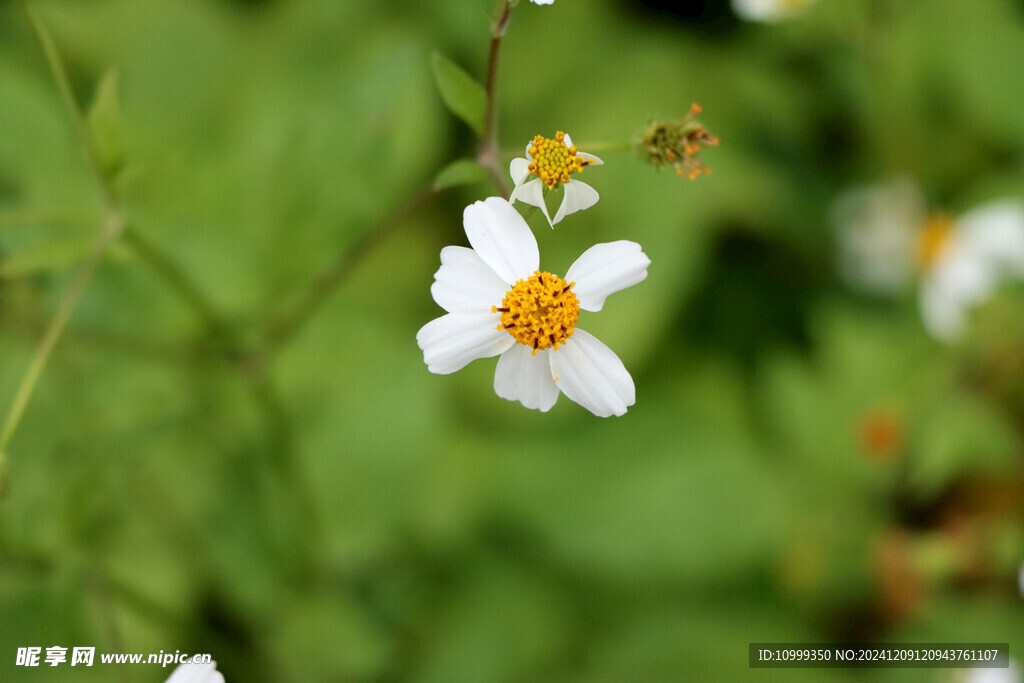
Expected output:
(887, 241)
(1010, 674)
(768, 10)
(543, 2)
(877, 231)
(196, 673)
(965, 260)
(499, 303)
(549, 163)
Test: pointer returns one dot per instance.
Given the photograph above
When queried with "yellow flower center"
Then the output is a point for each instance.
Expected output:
(553, 161)
(540, 311)
(934, 240)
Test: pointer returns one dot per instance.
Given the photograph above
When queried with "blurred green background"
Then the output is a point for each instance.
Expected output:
(803, 463)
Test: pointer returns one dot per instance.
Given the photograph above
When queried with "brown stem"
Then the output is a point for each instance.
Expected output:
(487, 151)
(290, 321)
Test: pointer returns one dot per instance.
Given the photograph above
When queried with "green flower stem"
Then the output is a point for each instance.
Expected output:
(162, 265)
(622, 146)
(284, 326)
(26, 324)
(158, 261)
(228, 347)
(177, 281)
(45, 217)
(290, 320)
(106, 591)
(60, 77)
(487, 151)
(112, 225)
(110, 231)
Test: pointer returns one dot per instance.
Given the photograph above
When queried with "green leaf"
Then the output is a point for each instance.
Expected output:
(104, 120)
(459, 172)
(462, 94)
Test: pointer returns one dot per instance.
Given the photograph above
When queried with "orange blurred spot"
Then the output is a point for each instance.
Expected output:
(880, 435)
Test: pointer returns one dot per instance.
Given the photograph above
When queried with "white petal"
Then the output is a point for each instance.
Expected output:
(524, 377)
(590, 158)
(196, 673)
(590, 373)
(502, 238)
(963, 275)
(568, 143)
(578, 196)
(452, 341)
(527, 193)
(767, 10)
(465, 283)
(756, 10)
(959, 280)
(519, 170)
(943, 315)
(995, 232)
(532, 193)
(604, 269)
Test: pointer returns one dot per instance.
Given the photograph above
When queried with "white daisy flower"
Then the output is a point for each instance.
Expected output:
(500, 303)
(196, 673)
(768, 10)
(887, 242)
(965, 260)
(548, 163)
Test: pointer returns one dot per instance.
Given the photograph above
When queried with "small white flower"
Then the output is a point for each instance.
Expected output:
(196, 673)
(548, 163)
(543, 2)
(965, 260)
(887, 241)
(500, 303)
(768, 10)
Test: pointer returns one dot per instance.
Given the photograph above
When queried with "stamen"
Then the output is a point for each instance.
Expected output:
(540, 311)
(553, 161)
(935, 238)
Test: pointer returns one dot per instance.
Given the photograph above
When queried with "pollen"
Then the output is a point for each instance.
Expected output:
(540, 311)
(935, 238)
(554, 161)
